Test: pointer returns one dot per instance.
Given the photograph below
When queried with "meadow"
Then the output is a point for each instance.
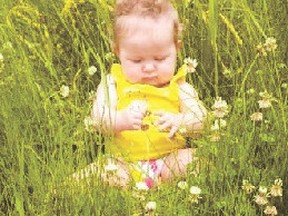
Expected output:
(53, 54)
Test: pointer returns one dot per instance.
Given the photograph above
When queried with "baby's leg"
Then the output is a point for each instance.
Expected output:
(176, 163)
(116, 173)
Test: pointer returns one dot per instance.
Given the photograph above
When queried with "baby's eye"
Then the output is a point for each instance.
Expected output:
(160, 58)
(135, 60)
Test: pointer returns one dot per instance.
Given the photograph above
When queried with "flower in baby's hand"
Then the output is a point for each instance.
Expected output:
(92, 70)
(139, 106)
(270, 210)
(150, 206)
(276, 189)
(64, 91)
(247, 186)
(191, 64)
(182, 185)
(265, 102)
(261, 197)
(195, 194)
(257, 116)
(220, 108)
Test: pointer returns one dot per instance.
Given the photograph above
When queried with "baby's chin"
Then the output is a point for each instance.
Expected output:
(154, 82)
(150, 81)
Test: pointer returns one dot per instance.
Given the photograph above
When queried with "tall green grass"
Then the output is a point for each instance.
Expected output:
(47, 44)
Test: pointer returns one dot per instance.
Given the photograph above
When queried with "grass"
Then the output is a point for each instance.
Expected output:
(47, 44)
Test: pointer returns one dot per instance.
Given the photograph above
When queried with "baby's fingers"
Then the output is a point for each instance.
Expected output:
(172, 132)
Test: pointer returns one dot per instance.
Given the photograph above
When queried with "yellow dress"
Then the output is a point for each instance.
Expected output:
(148, 143)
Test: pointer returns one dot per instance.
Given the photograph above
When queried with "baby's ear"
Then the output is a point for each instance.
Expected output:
(178, 45)
(115, 48)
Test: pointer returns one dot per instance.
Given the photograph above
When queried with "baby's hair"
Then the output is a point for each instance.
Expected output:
(140, 7)
(145, 8)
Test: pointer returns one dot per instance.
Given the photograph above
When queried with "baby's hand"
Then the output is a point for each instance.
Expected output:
(131, 117)
(168, 121)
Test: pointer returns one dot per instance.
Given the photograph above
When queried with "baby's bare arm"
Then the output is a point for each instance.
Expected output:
(192, 108)
(104, 106)
(190, 119)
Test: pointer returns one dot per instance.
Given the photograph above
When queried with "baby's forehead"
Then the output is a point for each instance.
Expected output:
(132, 24)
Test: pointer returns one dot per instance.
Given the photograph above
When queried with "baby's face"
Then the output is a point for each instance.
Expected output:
(147, 51)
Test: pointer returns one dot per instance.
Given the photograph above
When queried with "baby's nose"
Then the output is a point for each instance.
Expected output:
(148, 67)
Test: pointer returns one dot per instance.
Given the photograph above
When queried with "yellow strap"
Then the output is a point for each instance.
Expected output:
(181, 74)
(116, 71)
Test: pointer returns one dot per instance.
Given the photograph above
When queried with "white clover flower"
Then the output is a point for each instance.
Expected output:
(92, 70)
(276, 189)
(261, 199)
(195, 194)
(270, 44)
(89, 124)
(265, 102)
(150, 206)
(247, 186)
(220, 108)
(182, 185)
(261, 49)
(257, 116)
(109, 56)
(279, 182)
(195, 190)
(263, 190)
(270, 210)
(218, 124)
(191, 64)
(141, 186)
(64, 91)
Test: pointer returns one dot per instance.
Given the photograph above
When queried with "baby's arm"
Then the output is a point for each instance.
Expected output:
(191, 116)
(104, 112)
(193, 110)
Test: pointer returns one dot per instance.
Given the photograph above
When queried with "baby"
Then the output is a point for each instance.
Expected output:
(144, 102)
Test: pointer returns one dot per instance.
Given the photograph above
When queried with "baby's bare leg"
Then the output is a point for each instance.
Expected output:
(116, 173)
(176, 163)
